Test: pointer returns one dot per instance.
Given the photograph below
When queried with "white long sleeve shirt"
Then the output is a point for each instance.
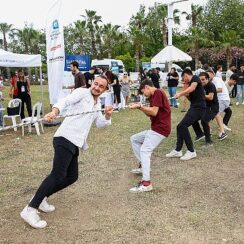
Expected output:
(76, 128)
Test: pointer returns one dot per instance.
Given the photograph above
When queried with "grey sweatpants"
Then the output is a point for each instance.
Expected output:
(143, 145)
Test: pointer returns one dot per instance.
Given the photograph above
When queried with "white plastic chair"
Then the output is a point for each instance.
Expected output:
(13, 103)
(33, 120)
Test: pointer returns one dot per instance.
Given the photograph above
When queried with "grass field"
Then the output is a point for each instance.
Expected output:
(199, 201)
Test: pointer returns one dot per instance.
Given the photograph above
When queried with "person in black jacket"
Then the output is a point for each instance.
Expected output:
(173, 80)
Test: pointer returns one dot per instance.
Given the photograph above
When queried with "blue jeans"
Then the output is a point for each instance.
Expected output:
(240, 93)
(172, 92)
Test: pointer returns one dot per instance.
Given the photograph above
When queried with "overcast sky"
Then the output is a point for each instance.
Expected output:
(17, 12)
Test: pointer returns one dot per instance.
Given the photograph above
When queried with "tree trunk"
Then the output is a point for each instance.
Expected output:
(164, 30)
(93, 44)
(36, 74)
(5, 45)
(137, 60)
(81, 45)
(196, 59)
(228, 58)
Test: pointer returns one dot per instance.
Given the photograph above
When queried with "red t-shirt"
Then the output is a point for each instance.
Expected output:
(161, 123)
(12, 81)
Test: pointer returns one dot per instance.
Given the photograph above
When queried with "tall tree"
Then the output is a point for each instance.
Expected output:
(92, 20)
(110, 35)
(5, 28)
(81, 30)
(196, 11)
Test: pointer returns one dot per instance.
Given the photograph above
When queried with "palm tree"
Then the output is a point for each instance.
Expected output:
(110, 34)
(197, 39)
(196, 11)
(92, 25)
(80, 27)
(229, 39)
(5, 28)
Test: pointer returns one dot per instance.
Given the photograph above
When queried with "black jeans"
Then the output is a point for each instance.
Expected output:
(64, 172)
(207, 117)
(228, 113)
(26, 99)
(234, 91)
(117, 95)
(183, 134)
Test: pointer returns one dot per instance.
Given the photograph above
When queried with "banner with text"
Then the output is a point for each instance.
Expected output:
(83, 61)
(55, 51)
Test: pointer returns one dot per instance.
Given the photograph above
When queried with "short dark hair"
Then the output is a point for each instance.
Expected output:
(145, 83)
(234, 77)
(204, 74)
(205, 67)
(187, 71)
(219, 66)
(75, 64)
(231, 65)
(173, 69)
(92, 68)
(157, 68)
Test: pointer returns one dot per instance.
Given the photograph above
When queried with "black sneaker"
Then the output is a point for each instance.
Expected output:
(199, 138)
(176, 106)
(222, 136)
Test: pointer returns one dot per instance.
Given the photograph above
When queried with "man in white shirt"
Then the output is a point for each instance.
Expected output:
(70, 136)
(224, 103)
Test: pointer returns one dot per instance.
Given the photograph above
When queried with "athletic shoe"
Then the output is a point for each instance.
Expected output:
(176, 106)
(208, 144)
(183, 111)
(174, 154)
(141, 188)
(227, 128)
(237, 103)
(46, 207)
(243, 103)
(188, 155)
(222, 136)
(136, 171)
(199, 138)
(30, 216)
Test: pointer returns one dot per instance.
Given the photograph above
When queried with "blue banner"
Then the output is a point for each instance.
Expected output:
(83, 61)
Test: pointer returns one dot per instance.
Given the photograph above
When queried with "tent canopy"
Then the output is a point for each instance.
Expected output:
(171, 54)
(8, 59)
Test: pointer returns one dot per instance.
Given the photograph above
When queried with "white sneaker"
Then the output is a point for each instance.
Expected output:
(243, 103)
(174, 154)
(136, 171)
(141, 188)
(189, 155)
(227, 128)
(237, 103)
(46, 207)
(30, 216)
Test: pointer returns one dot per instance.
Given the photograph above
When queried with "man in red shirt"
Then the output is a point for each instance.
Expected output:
(146, 141)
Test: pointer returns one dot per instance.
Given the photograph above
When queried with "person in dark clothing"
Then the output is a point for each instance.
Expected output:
(89, 76)
(211, 110)
(195, 94)
(114, 82)
(240, 86)
(155, 78)
(80, 80)
(173, 80)
(24, 92)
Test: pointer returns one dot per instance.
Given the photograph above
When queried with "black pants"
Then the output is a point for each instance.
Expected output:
(228, 113)
(117, 96)
(234, 91)
(26, 99)
(183, 134)
(207, 117)
(64, 172)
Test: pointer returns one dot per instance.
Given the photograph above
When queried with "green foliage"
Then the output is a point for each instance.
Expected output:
(128, 61)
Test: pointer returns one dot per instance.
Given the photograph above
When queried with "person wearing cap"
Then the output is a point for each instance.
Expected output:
(145, 142)
(224, 102)
(195, 93)
(240, 86)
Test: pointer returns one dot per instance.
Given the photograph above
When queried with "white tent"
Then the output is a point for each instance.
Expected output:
(8, 59)
(170, 54)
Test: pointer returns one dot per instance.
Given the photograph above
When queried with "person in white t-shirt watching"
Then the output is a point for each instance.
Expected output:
(224, 104)
(219, 71)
